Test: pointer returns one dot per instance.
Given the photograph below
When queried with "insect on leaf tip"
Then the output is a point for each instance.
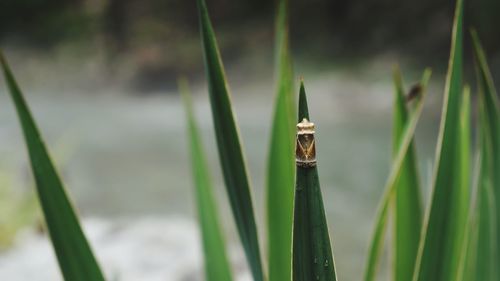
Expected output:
(305, 147)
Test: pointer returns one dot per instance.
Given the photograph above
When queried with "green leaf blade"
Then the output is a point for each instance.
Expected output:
(469, 246)
(75, 257)
(216, 262)
(490, 119)
(407, 205)
(280, 166)
(381, 218)
(488, 222)
(446, 221)
(312, 253)
(377, 242)
(486, 263)
(228, 142)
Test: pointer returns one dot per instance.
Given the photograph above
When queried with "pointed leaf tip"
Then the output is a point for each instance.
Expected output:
(303, 109)
(215, 258)
(73, 252)
(229, 146)
(442, 243)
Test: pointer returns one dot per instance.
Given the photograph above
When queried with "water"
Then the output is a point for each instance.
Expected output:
(125, 156)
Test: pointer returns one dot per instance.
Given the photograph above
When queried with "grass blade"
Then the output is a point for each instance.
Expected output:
(490, 117)
(75, 257)
(486, 263)
(281, 167)
(377, 243)
(488, 193)
(465, 140)
(479, 259)
(406, 139)
(446, 221)
(312, 253)
(407, 199)
(468, 252)
(228, 141)
(216, 263)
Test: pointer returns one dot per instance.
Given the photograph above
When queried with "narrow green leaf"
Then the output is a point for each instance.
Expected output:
(73, 252)
(228, 142)
(280, 167)
(479, 259)
(312, 252)
(407, 199)
(216, 263)
(486, 263)
(377, 243)
(490, 120)
(465, 174)
(468, 251)
(465, 140)
(446, 220)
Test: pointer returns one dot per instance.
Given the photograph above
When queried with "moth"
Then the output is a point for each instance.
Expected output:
(305, 145)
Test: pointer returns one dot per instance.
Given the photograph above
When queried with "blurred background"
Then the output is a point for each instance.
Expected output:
(100, 77)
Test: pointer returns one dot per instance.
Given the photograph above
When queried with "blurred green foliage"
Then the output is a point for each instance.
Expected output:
(133, 32)
(17, 209)
(338, 24)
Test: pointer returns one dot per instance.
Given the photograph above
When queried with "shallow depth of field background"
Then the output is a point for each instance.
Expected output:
(100, 77)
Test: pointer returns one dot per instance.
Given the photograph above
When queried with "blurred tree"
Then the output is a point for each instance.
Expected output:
(160, 37)
(485, 18)
(39, 21)
(115, 24)
(345, 25)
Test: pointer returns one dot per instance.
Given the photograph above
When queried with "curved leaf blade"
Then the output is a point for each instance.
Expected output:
(228, 142)
(407, 199)
(280, 166)
(75, 257)
(486, 255)
(488, 243)
(216, 262)
(490, 108)
(446, 220)
(469, 246)
(407, 135)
